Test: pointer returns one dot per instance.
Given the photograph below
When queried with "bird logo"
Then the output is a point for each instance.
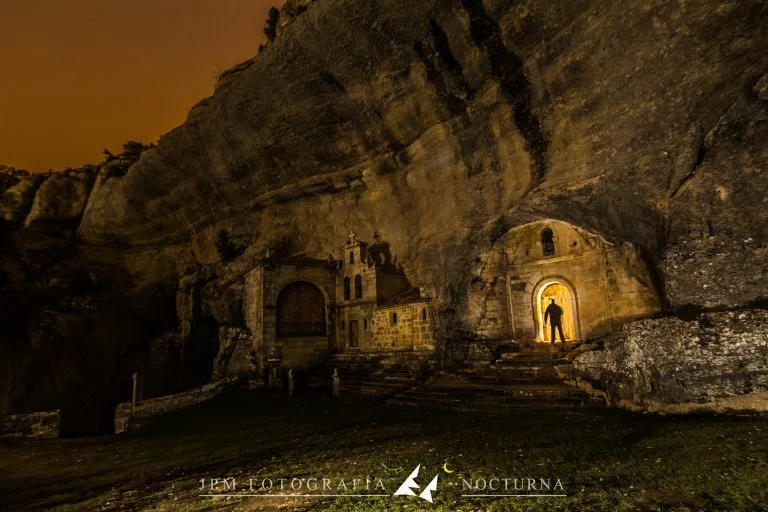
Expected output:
(406, 488)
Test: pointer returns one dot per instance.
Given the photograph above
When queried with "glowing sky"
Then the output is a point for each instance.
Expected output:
(79, 76)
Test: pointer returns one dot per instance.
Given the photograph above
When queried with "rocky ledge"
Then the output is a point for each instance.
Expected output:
(718, 362)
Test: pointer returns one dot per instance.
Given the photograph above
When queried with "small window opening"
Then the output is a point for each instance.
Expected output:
(347, 291)
(547, 242)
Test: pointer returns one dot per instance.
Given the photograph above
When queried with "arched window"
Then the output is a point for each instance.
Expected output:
(300, 311)
(347, 292)
(351, 258)
(547, 242)
(358, 287)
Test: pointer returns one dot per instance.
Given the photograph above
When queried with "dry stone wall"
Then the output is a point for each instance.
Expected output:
(163, 404)
(36, 425)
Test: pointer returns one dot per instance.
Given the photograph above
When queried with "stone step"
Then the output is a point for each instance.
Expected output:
(503, 393)
(478, 407)
(503, 374)
(481, 405)
(552, 348)
(514, 363)
(367, 388)
(471, 397)
(382, 373)
(516, 379)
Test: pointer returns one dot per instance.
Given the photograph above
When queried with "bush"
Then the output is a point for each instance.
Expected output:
(271, 29)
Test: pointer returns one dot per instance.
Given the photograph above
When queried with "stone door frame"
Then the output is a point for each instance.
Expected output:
(538, 314)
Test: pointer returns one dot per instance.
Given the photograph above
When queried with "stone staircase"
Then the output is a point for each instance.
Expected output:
(381, 374)
(517, 379)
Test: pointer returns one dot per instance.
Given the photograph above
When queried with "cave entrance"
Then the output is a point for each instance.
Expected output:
(563, 294)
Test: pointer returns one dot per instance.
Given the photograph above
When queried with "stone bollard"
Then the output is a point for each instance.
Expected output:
(291, 382)
(336, 383)
(275, 379)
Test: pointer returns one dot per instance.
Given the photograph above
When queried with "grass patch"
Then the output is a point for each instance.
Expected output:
(606, 459)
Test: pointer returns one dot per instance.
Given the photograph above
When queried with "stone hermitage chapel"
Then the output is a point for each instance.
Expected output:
(301, 309)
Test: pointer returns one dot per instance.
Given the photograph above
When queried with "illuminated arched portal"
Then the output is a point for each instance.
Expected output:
(564, 297)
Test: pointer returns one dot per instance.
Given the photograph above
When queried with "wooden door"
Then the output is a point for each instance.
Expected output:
(353, 333)
(300, 311)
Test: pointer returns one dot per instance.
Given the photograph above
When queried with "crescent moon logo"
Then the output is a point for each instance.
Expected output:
(445, 468)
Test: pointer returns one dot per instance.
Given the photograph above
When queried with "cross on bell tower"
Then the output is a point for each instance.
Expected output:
(354, 251)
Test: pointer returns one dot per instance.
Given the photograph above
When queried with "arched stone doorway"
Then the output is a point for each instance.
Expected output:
(301, 311)
(565, 297)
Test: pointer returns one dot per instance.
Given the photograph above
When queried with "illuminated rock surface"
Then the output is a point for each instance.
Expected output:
(438, 126)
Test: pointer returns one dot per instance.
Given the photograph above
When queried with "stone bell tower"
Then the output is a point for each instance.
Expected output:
(354, 255)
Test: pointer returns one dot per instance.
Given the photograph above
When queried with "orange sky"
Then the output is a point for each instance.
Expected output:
(79, 76)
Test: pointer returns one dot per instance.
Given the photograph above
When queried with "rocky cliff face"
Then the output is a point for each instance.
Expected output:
(399, 120)
(438, 125)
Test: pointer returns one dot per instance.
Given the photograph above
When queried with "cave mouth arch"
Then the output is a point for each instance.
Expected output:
(301, 311)
(564, 294)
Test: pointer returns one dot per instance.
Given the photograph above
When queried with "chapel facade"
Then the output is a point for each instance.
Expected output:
(301, 309)
(599, 285)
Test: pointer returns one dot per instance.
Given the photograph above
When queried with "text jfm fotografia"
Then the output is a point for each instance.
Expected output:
(370, 486)
(229, 484)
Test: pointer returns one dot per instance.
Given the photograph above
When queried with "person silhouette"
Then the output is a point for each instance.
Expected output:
(555, 315)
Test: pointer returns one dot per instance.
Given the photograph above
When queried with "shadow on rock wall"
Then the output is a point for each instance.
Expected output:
(72, 332)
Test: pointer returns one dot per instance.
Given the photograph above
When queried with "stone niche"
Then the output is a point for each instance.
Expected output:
(599, 285)
(268, 288)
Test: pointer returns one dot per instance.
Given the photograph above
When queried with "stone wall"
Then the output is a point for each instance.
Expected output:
(409, 332)
(718, 362)
(163, 404)
(303, 351)
(36, 425)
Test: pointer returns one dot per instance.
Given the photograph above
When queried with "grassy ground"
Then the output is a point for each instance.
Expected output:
(606, 459)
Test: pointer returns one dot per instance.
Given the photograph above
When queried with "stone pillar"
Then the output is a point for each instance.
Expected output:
(275, 369)
(336, 383)
(269, 312)
(253, 313)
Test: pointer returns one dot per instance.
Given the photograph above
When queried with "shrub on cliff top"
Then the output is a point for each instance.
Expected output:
(271, 29)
